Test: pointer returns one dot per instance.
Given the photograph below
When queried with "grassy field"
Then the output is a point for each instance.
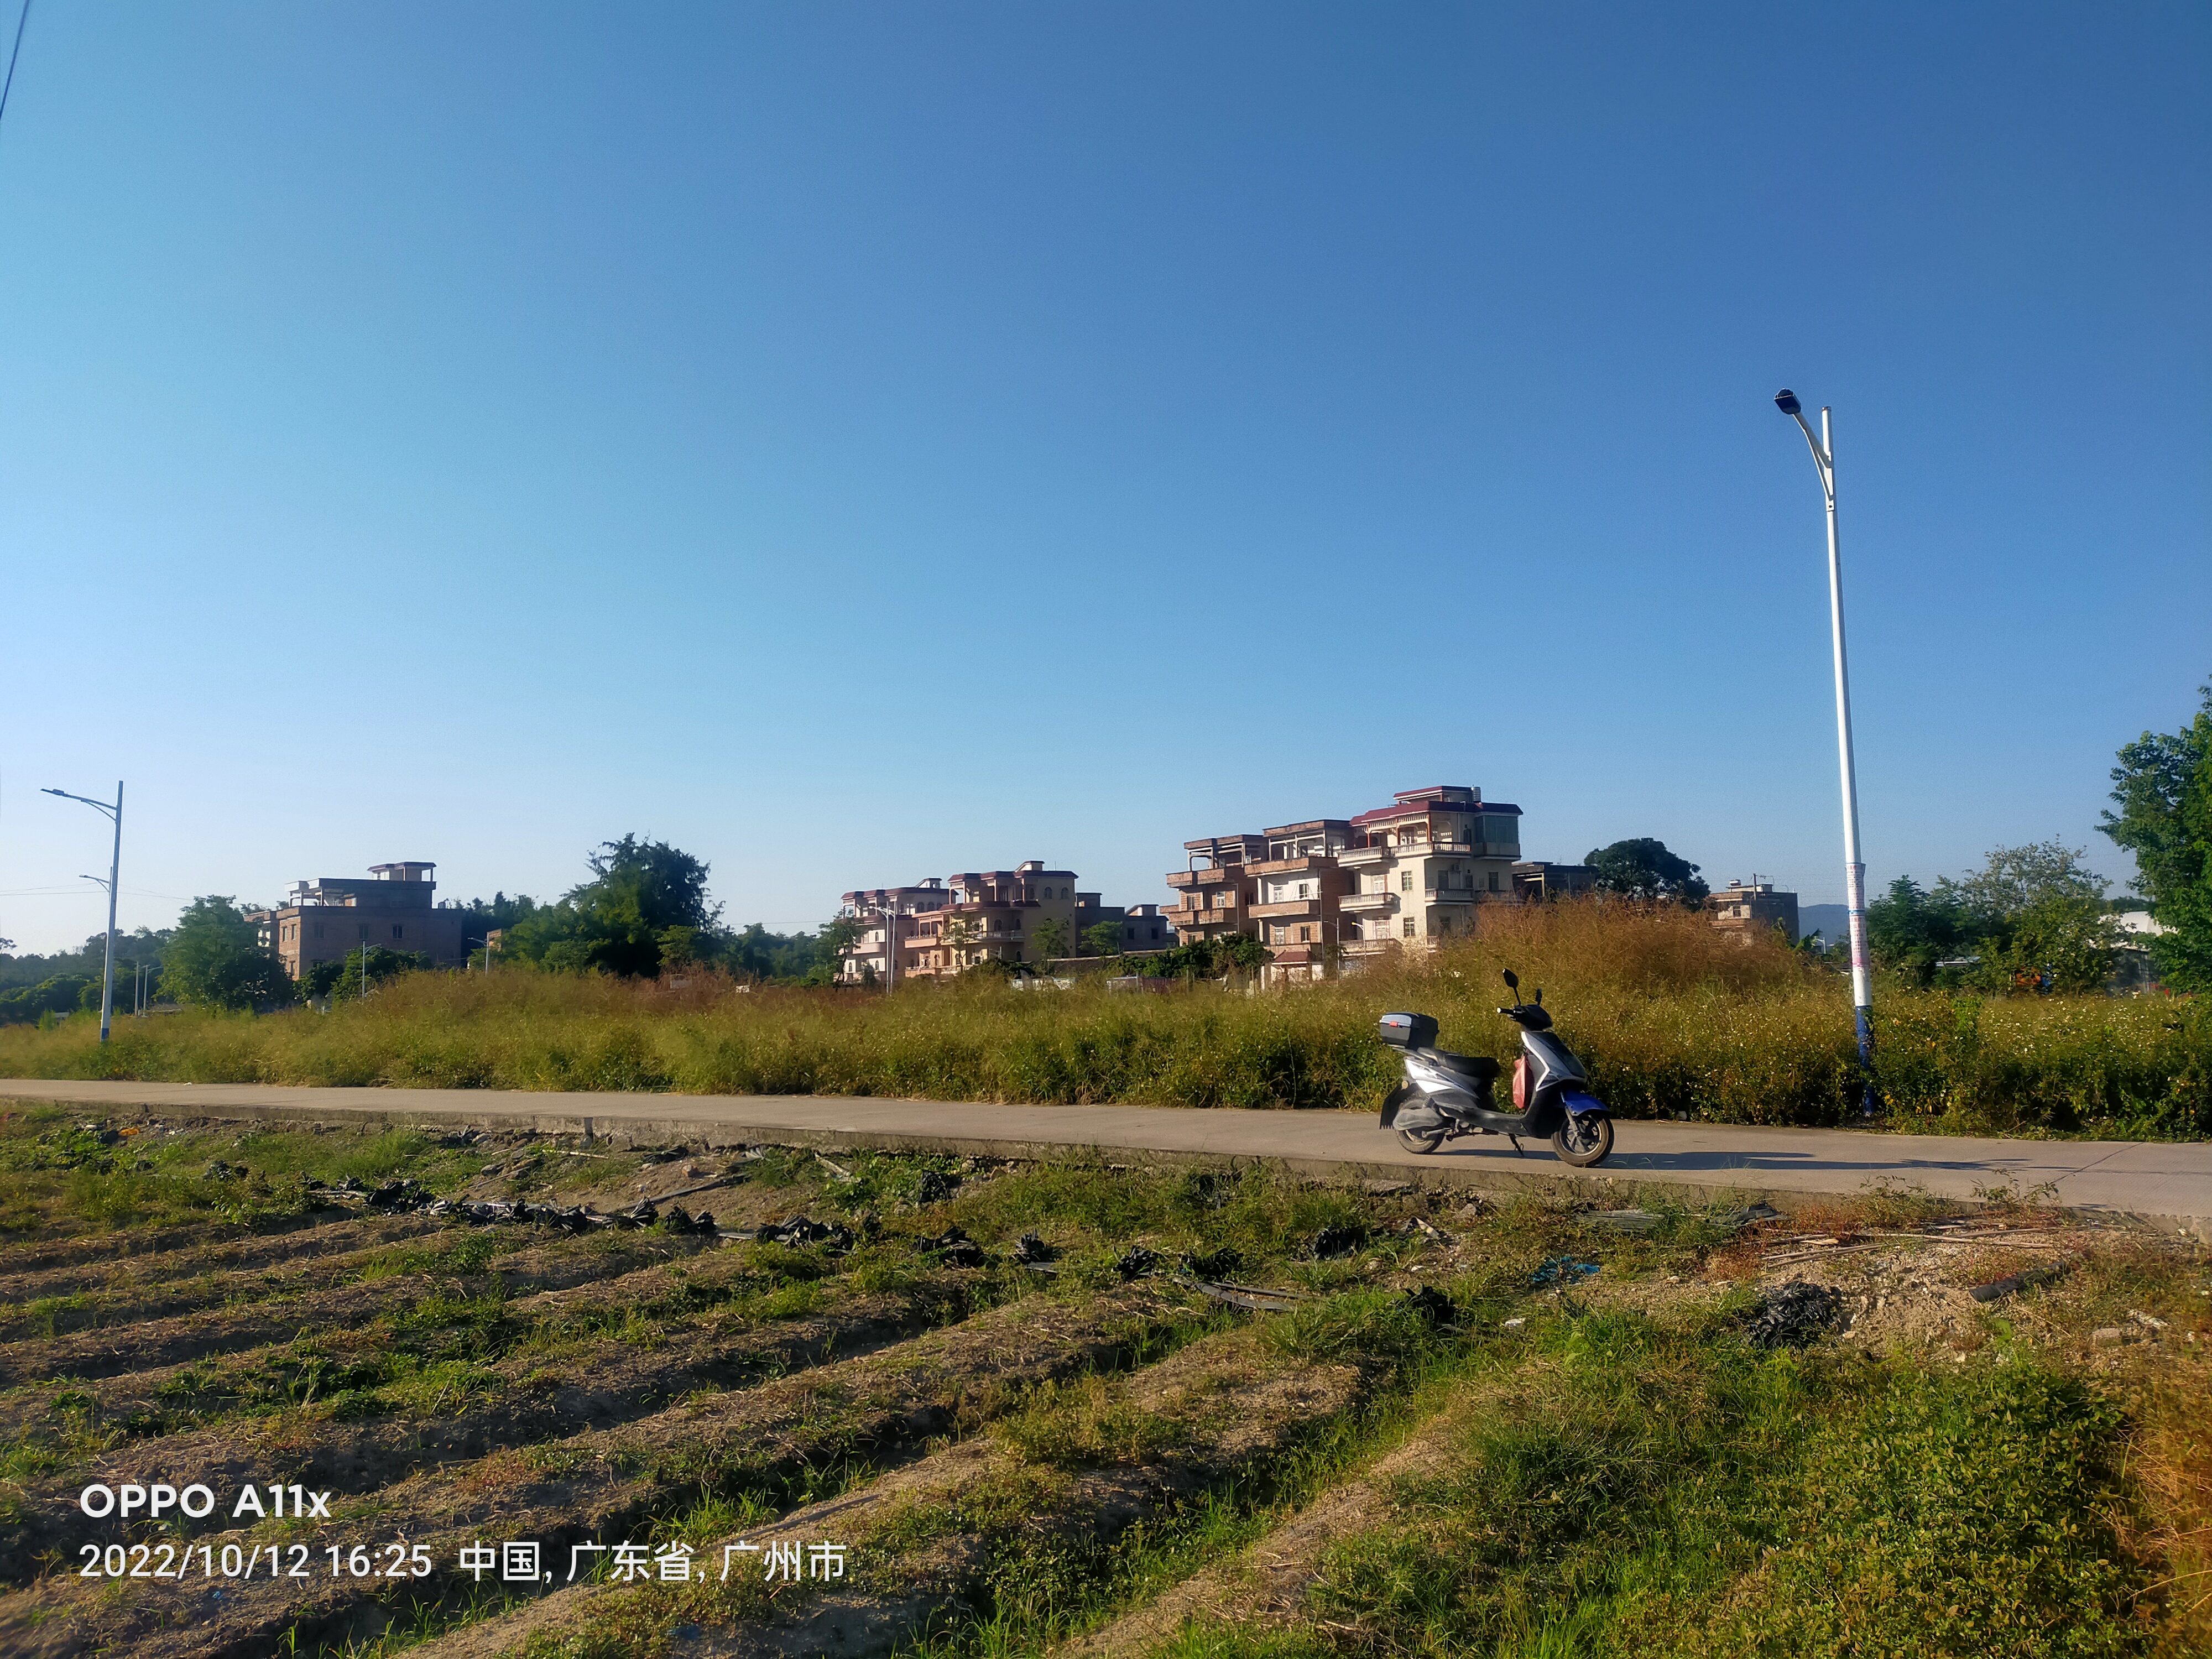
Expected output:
(1671, 1018)
(1504, 1429)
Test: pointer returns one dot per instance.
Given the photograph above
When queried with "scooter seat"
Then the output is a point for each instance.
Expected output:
(1480, 1067)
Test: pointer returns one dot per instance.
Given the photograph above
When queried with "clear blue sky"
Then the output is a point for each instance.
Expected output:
(856, 443)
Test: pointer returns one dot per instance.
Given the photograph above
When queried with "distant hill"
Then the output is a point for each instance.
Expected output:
(1826, 920)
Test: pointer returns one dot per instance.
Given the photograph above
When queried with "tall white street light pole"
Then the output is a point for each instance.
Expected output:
(1824, 461)
(114, 871)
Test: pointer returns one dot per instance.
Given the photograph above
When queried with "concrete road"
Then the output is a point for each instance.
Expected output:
(2170, 1183)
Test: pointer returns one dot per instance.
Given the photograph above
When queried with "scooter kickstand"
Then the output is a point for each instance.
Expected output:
(1517, 1152)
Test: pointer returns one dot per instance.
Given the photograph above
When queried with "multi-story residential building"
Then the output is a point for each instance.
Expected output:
(1535, 880)
(1419, 866)
(1330, 888)
(887, 916)
(1747, 908)
(1145, 928)
(324, 919)
(1217, 888)
(991, 915)
(1302, 884)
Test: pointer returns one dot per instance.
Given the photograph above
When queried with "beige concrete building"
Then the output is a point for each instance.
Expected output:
(324, 919)
(1345, 890)
(1420, 866)
(1217, 888)
(1536, 880)
(1747, 907)
(888, 917)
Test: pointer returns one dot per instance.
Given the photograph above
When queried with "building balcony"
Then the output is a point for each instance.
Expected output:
(1452, 895)
(1362, 858)
(1364, 903)
(1203, 878)
(1291, 910)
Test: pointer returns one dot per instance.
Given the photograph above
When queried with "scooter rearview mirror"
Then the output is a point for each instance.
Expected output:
(1540, 998)
(1512, 980)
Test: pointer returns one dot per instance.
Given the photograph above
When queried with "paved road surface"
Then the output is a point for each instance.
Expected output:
(2172, 1183)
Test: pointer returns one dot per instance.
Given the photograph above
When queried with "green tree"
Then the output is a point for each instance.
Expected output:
(614, 923)
(341, 981)
(215, 959)
(1102, 939)
(1644, 869)
(2163, 786)
(1049, 936)
(1912, 929)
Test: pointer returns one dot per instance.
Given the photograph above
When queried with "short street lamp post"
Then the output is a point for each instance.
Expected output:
(1824, 461)
(114, 870)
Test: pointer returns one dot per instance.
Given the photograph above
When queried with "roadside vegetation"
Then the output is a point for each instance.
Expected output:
(1672, 1018)
(1526, 1428)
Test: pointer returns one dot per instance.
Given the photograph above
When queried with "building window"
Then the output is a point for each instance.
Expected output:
(1305, 935)
(395, 930)
(1406, 885)
(1409, 926)
(1306, 889)
(1493, 881)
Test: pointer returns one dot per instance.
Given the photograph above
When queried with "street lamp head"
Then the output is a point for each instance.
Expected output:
(1786, 401)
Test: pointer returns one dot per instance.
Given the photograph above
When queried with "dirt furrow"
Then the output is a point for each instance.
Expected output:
(162, 1398)
(120, 1306)
(103, 1251)
(224, 1330)
(349, 1231)
(922, 1541)
(602, 1485)
(1267, 1584)
(526, 1401)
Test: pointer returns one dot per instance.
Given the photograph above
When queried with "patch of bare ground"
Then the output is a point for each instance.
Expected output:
(925, 1539)
(167, 1399)
(928, 1538)
(598, 1486)
(271, 1316)
(1265, 1587)
(126, 1269)
(103, 1253)
(524, 1401)
(169, 1297)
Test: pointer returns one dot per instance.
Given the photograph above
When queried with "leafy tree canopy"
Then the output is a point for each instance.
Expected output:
(215, 959)
(615, 922)
(1644, 869)
(2163, 786)
(2034, 914)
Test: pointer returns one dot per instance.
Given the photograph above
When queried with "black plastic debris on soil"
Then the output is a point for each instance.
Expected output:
(1135, 1262)
(402, 1195)
(1335, 1241)
(219, 1170)
(1792, 1316)
(932, 1187)
(800, 1230)
(954, 1248)
(1030, 1251)
(1212, 1264)
(675, 1219)
(1430, 1305)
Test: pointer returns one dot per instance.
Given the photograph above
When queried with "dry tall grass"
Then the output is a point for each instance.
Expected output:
(1670, 1016)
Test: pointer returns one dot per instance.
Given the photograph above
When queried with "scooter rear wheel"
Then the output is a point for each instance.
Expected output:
(1585, 1139)
(1421, 1143)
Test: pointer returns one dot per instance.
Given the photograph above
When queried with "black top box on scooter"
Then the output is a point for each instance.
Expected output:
(1409, 1030)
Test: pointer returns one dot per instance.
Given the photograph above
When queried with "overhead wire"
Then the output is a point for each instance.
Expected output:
(6, 86)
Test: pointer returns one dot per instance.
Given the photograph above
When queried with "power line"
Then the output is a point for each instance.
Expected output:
(23, 17)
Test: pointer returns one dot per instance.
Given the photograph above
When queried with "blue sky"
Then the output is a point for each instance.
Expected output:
(861, 442)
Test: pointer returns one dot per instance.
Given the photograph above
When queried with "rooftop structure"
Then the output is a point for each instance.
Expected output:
(326, 918)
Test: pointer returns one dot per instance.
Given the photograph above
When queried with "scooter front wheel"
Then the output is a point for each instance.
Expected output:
(1427, 1142)
(1585, 1138)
